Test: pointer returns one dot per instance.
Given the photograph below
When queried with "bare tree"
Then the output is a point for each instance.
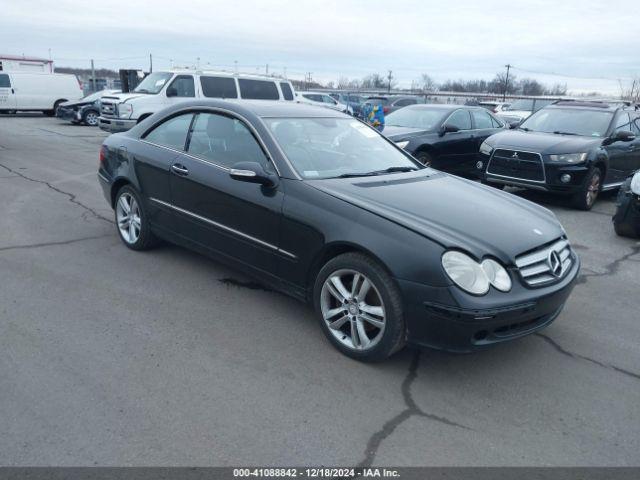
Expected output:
(427, 83)
(630, 91)
(343, 82)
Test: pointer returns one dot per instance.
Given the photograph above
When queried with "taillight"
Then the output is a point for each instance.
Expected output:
(103, 154)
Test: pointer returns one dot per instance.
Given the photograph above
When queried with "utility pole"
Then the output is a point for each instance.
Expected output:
(389, 77)
(150, 63)
(93, 76)
(506, 82)
(235, 66)
(307, 80)
(266, 70)
(198, 64)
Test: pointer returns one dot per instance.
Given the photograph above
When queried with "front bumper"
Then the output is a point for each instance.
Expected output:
(114, 125)
(552, 174)
(449, 319)
(67, 114)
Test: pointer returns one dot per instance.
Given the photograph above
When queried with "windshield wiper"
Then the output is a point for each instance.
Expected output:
(558, 132)
(378, 172)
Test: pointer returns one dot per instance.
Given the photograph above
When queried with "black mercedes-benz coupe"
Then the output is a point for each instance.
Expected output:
(321, 206)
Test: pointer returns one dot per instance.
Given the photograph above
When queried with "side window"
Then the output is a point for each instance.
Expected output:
(328, 99)
(460, 119)
(172, 132)
(4, 81)
(496, 123)
(482, 119)
(219, 87)
(182, 86)
(406, 101)
(622, 122)
(635, 125)
(287, 93)
(258, 89)
(224, 141)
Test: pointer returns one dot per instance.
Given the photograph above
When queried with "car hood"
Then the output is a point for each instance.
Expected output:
(452, 211)
(398, 134)
(521, 114)
(74, 104)
(122, 97)
(544, 143)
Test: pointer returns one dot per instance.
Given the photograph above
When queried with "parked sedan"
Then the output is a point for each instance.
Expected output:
(391, 103)
(626, 220)
(323, 100)
(323, 207)
(351, 100)
(446, 137)
(85, 110)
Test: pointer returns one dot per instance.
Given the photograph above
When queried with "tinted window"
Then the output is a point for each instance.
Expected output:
(496, 123)
(171, 133)
(460, 119)
(378, 101)
(406, 101)
(328, 99)
(287, 93)
(623, 123)
(183, 85)
(258, 89)
(482, 119)
(4, 81)
(219, 87)
(635, 126)
(312, 96)
(224, 141)
(591, 123)
(416, 117)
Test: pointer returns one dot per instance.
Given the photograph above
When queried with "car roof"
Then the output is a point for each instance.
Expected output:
(439, 106)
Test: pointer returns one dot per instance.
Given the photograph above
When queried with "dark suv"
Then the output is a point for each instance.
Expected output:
(577, 148)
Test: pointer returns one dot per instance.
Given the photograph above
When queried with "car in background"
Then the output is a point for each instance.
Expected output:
(391, 103)
(86, 110)
(626, 220)
(576, 148)
(444, 136)
(321, 99)
(26, 91)
(315, 203)
(352, 100)
(522, 109)
(495, 107)
(161, 89)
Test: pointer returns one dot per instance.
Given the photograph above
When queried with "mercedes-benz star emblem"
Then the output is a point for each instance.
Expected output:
(515, 155)
(555, 264)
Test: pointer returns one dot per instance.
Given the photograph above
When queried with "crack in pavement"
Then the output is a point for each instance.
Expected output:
(577, 356)
(49, 244)
(611, 268)
(71, 196)
(411, 410)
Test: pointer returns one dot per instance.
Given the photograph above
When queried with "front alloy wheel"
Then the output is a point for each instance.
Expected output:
(131, 220)
(91, 118)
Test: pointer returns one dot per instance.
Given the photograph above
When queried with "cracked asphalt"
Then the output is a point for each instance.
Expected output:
(112, 357)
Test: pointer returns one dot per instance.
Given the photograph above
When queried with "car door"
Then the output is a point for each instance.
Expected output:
(7, 93)
(622, 155)
(181, 87)
(454, 150)
(239, 220)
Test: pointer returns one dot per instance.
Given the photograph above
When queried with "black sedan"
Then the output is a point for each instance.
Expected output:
(318, 205)
(446, 137)
(85, 110)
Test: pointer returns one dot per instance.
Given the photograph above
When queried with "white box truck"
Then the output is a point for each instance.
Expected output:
(37, 91)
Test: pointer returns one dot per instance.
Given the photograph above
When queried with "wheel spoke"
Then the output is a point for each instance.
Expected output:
(126, 207)
(339, 323)
(354, 284)
(339, 286)
(132, 233)
(354, 335)
(362, 334)
(364, 289)
(373, 310)
(123, 221)
(373, 321)
(333, 312)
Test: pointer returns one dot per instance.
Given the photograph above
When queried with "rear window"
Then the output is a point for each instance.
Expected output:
(258, 89)
(219, 87)
(286, 91)
(4, 81)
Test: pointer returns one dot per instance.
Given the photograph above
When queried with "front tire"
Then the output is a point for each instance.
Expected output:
(132, 221)
(359, 307)
(586, 197)
(424, 158)
(90, 118)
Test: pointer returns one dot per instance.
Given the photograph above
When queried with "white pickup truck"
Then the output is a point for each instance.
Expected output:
(161, 89)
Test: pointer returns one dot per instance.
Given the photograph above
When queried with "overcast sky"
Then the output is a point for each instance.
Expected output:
(586, 44)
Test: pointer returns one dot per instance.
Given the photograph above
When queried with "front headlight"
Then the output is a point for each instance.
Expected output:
(474, 277)
(635, 183)
(125, 110)
(402, 144)
(486, 148)
(569, 157)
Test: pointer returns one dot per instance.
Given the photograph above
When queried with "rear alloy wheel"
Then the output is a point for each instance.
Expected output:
(90, 118)
(424, 158)
(131, 221)
(586, 198)
(359, 307)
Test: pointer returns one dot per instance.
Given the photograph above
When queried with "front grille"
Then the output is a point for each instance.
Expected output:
(547, 264)
(516, 164)
(107, 109)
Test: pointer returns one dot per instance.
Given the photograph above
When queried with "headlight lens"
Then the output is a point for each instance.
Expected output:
(475, 277)
(125, 110)
(486, 148)
(497, 275)
(402, 144)
(569, 157)
(635, 184)
(465, 272)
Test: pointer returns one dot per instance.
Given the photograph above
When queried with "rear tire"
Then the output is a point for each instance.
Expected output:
(51, 113)
(132, 221)
(424, 158)
(355, 297)
(586, 197)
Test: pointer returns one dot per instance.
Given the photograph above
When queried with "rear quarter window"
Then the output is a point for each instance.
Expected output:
(258, 89)
(219, 87)
(287, 93)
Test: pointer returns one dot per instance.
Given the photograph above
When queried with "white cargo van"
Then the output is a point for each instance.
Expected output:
(37, 91)
(161, 89)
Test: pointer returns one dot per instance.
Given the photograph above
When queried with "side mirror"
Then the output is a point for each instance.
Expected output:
(172, 92)
(623, 136)
(253, 172)
(513, 125)
(448, 129)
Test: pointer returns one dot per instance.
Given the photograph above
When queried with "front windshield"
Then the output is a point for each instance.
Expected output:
(153, 82)
(572, 121)
(420, 117)
(94, 96)
(526, 105)
(335, 147)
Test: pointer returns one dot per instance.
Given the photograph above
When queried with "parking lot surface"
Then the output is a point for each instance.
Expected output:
(113, 357)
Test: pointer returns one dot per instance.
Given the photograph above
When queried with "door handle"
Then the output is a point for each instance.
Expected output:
(180, 169)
